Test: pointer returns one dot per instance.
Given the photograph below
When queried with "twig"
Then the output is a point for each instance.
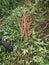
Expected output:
(4, 24)
(2, 18)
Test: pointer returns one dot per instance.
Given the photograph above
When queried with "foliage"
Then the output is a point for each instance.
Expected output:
(6, 6)
(28, 51)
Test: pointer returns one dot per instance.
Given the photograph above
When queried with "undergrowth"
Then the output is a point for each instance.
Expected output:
(29, 51)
